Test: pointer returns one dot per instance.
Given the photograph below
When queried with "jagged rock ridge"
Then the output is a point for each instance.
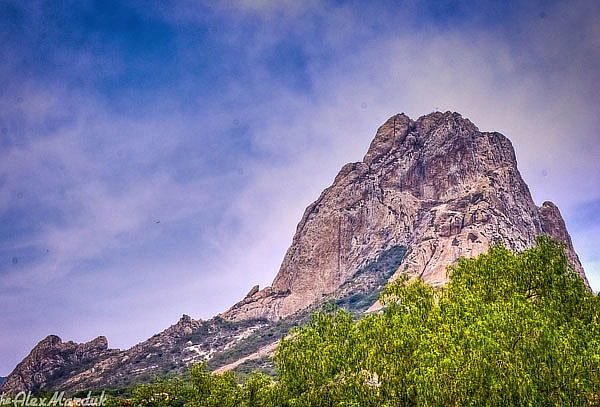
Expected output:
(52, 359)
(426, 193)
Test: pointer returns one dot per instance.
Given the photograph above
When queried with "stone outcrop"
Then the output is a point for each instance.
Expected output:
(52, 359)
(437, 185)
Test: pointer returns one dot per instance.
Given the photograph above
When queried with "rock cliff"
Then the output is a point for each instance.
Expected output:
(437, 185)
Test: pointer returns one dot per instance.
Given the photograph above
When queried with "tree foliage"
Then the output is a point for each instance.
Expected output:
(508, 330)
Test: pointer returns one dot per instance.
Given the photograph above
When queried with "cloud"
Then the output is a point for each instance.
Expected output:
(185, 191)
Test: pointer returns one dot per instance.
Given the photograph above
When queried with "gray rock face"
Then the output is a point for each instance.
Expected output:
(554, 225)
(52, 359)
(436, 185)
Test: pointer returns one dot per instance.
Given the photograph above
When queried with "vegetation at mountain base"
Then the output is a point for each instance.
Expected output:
(356, 296)
(507, 330)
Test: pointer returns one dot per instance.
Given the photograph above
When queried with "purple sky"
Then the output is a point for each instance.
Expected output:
(156, 157)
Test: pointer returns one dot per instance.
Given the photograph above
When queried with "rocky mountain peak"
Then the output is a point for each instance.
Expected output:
(49, 342)
(436, 185)
(400, 134)
(427, 192)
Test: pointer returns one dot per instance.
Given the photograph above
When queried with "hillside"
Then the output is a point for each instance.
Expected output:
(428, 192)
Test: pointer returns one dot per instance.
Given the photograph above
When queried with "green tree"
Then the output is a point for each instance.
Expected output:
(173, 392)
(508, 330)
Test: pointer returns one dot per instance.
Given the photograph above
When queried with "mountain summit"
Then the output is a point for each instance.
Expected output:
(437, 185)
(427, 192)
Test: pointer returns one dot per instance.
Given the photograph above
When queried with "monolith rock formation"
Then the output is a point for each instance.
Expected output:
(427, 192)
(437, 185)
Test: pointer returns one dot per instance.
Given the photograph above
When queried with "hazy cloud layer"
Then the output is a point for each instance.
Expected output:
(155, 158)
